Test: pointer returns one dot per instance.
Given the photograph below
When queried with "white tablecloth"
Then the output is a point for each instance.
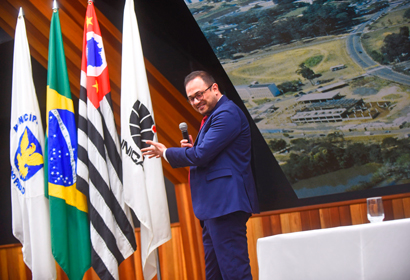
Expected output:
(378, 251)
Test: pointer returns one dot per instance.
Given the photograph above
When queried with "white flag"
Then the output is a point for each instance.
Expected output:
(143, 180)
(31, 218)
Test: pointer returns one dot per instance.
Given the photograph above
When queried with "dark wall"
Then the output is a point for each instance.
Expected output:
(6, 62)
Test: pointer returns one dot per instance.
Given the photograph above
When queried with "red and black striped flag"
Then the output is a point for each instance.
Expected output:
(99, 159)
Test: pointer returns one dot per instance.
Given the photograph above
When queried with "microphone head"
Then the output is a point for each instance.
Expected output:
(183, 126)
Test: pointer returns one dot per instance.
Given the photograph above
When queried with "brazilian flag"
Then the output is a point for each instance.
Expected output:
(70, 228)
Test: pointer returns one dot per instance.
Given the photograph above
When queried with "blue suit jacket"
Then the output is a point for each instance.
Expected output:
(220, 160)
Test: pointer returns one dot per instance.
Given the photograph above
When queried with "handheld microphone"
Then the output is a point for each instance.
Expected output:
(184, 129)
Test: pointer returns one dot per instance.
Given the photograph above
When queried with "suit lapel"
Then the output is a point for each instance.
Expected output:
(207, 123)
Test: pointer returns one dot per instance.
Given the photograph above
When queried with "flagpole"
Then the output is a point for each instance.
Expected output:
(55, 5)
(158, 265)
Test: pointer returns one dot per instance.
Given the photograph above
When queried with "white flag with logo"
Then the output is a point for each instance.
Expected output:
(143, 180)
(30, 212)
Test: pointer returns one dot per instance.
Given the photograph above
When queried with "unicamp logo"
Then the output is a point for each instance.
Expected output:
(142, 125)
(29, 156)
(142, 128)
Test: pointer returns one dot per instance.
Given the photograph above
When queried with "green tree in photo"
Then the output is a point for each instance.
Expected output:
(355, 155)
(300, 144)
(375, 153)
(326, 158)
(378, 57)
(335, 137)
(406, 14)
(298, 167)
(277, 145)
(306, 73)
(389, 142)
(397, 45)
(291, 86)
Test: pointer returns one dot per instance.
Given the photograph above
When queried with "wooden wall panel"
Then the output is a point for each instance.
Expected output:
(388, 210)
(310, 219)
(266, 226)
(11, 263)
(182, 256)
(345, 215)
(406, 206)
(291, 222)
(398, 210)
(357, 216)
(172, 258)
(325, 218)
(255, 231)
(191, 234)
(276, 227)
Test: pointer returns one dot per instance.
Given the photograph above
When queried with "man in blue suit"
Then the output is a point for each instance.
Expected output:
(222, 185)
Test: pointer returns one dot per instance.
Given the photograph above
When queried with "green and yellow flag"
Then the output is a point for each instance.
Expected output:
(70, 230)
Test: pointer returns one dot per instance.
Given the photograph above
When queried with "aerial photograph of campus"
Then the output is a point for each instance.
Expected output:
(327, 83)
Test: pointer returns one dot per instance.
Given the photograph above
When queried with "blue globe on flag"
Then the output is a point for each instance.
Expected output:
(94, 53)
(96, 62)
(62, 152)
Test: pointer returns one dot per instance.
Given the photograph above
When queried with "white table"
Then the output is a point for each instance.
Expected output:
(369, 251)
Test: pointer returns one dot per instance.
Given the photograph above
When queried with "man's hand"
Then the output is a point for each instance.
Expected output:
(155, 150)
(186, 144)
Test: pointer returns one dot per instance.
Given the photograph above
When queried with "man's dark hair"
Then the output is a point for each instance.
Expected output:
(205, 76)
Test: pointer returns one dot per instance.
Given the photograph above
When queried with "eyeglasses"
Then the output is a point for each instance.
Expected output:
(199, 95)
